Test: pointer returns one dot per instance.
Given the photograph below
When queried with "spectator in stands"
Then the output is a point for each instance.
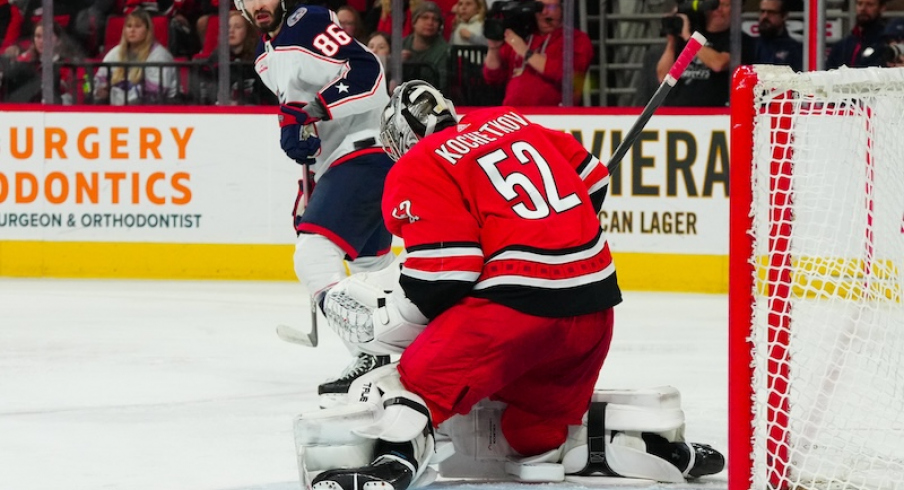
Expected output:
(705, 81)
(245, 86)
(855, 49)
(381, 44)
(351, 23)
(425, 52)
(380, 17)
(10, 25)
(774, 46)
(647, 81)
(89, 26)
(892, 54)
(184, 40)
(123, 85)
(206, 9)
(24, 77)
(532, 68)
(468, 28)
(63, 10)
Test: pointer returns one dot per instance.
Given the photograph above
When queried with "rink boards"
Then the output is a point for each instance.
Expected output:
(206, 193)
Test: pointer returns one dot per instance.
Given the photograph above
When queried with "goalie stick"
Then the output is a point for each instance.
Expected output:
(684, 59)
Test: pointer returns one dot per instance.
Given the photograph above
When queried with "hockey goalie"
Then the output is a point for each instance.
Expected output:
(502, 312)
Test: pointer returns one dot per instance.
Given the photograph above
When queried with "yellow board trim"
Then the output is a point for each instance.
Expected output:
(680, 273)
(636, 271)
(146, 260)
(816, 277)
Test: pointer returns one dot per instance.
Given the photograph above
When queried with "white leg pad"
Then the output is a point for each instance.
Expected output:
(540, 468)
(629, 413)
(648, 410)
(325, 439)
(366, 389)
(626, 455)
(402, 417)
(398, 422)
(481, 450)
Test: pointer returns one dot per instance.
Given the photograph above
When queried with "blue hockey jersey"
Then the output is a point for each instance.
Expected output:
(312, 57)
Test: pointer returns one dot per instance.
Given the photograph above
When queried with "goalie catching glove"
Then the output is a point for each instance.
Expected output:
(377, 320)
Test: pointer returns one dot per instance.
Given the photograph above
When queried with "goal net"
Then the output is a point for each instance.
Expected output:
(816, 272)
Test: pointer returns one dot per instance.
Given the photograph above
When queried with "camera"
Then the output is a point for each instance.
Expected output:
(694, 9)
(518, 15)
(890, 53)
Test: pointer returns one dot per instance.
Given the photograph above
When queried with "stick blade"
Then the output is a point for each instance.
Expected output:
(296, 336)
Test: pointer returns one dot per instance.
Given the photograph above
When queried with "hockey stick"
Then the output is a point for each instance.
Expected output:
(687, 54)
(306, 184)
(696, 41)
(286, 332)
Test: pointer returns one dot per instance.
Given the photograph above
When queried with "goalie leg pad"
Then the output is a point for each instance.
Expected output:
(325, 439)
(611, 441)
(403, 442)
(480, 449)
(544, 467)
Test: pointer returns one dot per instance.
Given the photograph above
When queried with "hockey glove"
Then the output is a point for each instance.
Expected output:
(297, 133)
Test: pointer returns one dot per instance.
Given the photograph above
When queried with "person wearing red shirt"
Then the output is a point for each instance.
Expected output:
(532, 67)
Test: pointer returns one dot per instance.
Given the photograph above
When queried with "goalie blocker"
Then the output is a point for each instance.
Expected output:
(384, 439)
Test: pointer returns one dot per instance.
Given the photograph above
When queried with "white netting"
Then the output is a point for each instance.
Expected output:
(828, 326)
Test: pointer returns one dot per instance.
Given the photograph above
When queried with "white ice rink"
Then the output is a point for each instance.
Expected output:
(162, 385)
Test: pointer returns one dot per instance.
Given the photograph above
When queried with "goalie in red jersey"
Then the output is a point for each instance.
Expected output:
(505, 294)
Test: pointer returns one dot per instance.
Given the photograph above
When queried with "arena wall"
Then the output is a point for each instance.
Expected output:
(206, 193)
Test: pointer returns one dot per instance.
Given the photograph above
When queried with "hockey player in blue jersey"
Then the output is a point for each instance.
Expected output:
(331, 91)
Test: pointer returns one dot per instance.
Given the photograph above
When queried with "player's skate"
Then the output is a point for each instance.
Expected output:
(334, 392)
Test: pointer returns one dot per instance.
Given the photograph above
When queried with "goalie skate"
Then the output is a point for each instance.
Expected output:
(384, 474)
(335, 391)
(691, 458)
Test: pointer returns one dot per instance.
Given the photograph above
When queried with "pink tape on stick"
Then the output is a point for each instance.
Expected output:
(687, 54)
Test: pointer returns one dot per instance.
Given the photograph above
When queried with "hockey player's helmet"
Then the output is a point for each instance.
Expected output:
(415, 110)
(240, 6)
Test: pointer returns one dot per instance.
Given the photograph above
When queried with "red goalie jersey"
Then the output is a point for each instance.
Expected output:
(506, 210)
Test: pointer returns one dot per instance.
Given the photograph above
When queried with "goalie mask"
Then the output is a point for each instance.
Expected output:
(277, 16)
(415, 110)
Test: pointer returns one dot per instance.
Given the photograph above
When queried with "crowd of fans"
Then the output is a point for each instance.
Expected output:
(123, 52)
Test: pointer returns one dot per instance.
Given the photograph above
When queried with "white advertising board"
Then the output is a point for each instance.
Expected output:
(93, 189)
(124, 177)
(670, 193)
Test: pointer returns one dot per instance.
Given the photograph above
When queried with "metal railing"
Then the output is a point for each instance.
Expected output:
(178, 82)
(620, 40)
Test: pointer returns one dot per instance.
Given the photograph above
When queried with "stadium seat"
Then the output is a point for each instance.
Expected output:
(184, 75)
(113, 31)
(161, 29)
(62, 20)
(467, 86)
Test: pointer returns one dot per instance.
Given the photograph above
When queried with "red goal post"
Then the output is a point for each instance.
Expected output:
(816, 266)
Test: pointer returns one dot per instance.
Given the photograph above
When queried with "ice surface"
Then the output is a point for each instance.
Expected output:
(164, 385)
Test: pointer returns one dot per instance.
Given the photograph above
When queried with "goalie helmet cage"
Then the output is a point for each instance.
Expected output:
(816, 335)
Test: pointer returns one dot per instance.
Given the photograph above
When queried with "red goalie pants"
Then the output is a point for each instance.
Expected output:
(545, 369)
